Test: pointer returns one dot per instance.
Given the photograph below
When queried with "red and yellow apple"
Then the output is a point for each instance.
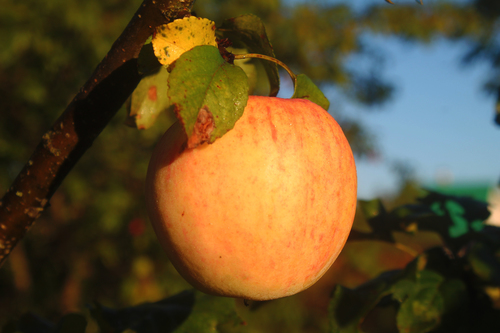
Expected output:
(262, 212)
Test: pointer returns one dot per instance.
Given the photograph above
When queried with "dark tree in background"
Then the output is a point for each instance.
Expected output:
(94, 242)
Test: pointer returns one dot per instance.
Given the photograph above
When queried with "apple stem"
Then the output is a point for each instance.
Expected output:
(276, 61)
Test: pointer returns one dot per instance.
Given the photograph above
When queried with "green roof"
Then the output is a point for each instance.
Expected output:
(478, 191)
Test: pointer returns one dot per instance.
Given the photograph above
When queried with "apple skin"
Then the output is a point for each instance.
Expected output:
(264, 211)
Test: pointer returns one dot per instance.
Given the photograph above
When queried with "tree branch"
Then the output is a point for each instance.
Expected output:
(114, 79)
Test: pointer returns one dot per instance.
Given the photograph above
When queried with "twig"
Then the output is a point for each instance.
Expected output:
(86, 116)
(268, 58)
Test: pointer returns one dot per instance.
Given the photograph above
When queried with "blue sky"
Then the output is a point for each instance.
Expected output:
(440, 121)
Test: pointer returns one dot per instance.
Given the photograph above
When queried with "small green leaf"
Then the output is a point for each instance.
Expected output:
(149, 100)
(306, 89)
(429, 294)
(424, 305)
(429, 300)
(484, 262)
(211, 314)
(250, 30)
(371, 208)
(209, 94)
(348, 307)
(163, 316)
(460, 226)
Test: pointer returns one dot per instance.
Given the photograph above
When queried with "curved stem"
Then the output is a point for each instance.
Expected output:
(268, 58)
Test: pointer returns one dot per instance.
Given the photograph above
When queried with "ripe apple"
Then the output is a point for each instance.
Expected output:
(262, 212)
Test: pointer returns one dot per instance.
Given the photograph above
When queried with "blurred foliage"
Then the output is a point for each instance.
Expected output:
(95, 244)
(449, 287)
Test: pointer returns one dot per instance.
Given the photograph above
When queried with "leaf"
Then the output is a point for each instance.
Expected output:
(484, 261)
(306, 89)
(211, 314)
(432, 294)
(423, 305)
(458, 220)
(348, 307)
(162, 316)
(172, 40)
(379, 221)
(250, 30)
(209, 94)
(430, 299)
(427, 294)
(149, 100)
(371, 208)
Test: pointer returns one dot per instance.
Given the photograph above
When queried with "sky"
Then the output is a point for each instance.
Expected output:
(439, 122)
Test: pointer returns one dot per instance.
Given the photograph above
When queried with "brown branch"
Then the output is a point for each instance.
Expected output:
(86, 116)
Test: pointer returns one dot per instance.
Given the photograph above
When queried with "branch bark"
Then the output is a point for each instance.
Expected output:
(60, 148)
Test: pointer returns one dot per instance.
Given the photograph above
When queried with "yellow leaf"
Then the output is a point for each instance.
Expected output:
(173, 39)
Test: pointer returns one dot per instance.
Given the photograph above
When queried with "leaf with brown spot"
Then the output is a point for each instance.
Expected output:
(208, 93)
(149, 100)
(203, 128)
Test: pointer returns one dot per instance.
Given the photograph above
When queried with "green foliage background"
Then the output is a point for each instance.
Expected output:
(95, 243)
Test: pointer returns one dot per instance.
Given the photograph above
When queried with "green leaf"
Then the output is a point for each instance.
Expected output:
(484, 262)
(209, 94)
(429, 292)
(211, 314)
(458, 220)
(371, 208)
(163, 316)
(421, 310)
(306, 89)
(348, 307)
(250, 30)
(460, 226)
(149, 100)
(431, 297)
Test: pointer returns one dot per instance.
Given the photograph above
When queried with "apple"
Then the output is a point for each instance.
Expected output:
(264, 211)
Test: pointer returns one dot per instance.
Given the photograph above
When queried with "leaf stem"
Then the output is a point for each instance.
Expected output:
(268, 58)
